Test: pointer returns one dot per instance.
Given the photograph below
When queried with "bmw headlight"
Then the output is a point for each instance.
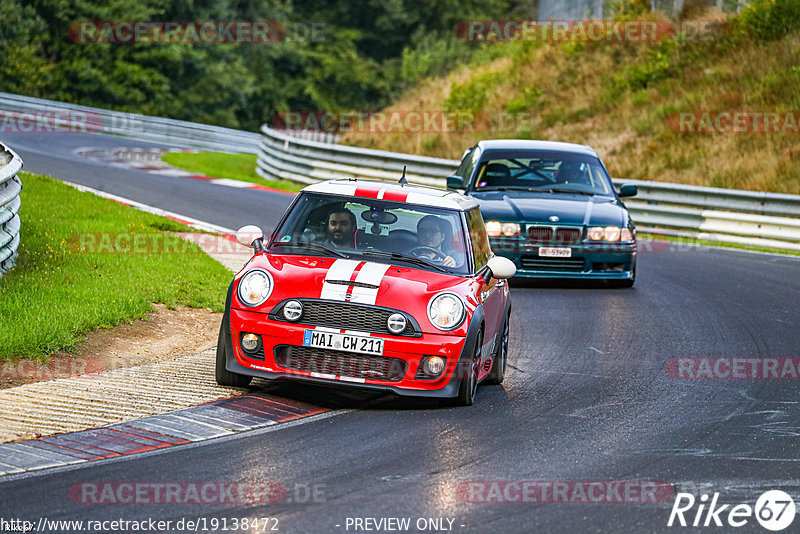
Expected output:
(609, 233)
(255, 287)
(446, 311)
(497, 228)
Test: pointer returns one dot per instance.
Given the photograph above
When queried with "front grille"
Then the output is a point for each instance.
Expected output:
(331, 362)
(348, 316)
(537, 263)
(540, 234)
(568, 236)
(554, 235)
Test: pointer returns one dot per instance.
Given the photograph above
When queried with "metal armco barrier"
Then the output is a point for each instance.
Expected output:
(721, 215)
(39, 115)
(10, 187)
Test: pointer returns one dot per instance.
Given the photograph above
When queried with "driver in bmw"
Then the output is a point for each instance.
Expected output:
(431, 233)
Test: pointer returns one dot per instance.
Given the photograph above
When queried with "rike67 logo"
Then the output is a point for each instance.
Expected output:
(774, 510)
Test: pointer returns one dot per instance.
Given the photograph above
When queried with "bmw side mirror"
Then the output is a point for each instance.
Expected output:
(455, 182)
(251, 236)
(500, 268)
(628, 190)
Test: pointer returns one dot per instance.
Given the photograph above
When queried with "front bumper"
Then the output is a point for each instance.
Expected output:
(600, 261)
(337, 367)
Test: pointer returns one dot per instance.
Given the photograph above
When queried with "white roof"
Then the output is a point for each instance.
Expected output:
(530, 144)
(413, 194)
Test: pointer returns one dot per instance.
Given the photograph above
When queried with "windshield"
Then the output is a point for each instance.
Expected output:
(539, 170)
(374, 230)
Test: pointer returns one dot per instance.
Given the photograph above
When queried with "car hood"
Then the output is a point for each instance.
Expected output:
(571, 209)
(379, 284)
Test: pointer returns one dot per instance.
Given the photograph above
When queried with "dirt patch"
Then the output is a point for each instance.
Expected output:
(163, 335)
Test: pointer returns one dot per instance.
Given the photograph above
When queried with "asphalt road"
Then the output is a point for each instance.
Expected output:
(57, 155)
(587, 398)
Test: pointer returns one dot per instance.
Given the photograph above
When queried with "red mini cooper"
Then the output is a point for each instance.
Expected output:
(374, 285)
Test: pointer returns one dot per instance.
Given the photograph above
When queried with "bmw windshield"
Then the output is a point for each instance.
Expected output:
(542, 171)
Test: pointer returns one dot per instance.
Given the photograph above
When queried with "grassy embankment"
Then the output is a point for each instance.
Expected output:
(81, 266)
(222, 165)
(623, 99)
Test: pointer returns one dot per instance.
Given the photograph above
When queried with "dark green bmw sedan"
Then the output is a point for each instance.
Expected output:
(551, 208)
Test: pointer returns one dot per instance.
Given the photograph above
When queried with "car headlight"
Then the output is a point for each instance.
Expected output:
(609, 233)
(446, 311)
(496, 229)
(255, 287)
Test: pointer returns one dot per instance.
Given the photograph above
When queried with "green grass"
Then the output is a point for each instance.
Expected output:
(59, 289)
(221, 165)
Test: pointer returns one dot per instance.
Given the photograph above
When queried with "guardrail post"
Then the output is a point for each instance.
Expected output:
(10, 187)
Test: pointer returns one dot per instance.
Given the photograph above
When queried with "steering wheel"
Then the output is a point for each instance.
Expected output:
(438, 255)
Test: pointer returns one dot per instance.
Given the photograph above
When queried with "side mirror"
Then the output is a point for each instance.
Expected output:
(501, 268)
(628, 190)
(455, 182)
(251, 236)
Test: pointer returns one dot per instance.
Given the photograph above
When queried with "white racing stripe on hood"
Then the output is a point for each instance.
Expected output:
(372, 274)
(340, 270)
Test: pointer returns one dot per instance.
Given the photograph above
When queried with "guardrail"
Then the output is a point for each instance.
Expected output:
(37, 113)
(720, 215)
(10, 187)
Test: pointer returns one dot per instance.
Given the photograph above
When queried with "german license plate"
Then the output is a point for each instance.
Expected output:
(555, 252)
(343, 342)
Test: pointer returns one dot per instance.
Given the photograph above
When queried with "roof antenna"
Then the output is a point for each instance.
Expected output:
(402, 181)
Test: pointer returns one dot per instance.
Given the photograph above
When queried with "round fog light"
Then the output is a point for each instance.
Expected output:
(292, 310)
(250, 342)
(396, 323)
(434, 365)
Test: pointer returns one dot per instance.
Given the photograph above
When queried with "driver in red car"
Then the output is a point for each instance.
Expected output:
(431, 234)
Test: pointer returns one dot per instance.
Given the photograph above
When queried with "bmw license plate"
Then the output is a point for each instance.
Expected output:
(343, 342)
(555, 252)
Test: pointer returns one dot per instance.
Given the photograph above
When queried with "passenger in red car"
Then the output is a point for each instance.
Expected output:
(341, 229)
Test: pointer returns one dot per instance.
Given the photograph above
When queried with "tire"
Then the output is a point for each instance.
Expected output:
(225, 377)
(469, 384)
(498, 372)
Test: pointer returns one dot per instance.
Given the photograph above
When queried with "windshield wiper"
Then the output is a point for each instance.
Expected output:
(567, 190)
(403, 257)
(505, 188)
(308, 244)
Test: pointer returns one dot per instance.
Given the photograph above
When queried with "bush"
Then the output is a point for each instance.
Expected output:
(473, 94)
(770, 19)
